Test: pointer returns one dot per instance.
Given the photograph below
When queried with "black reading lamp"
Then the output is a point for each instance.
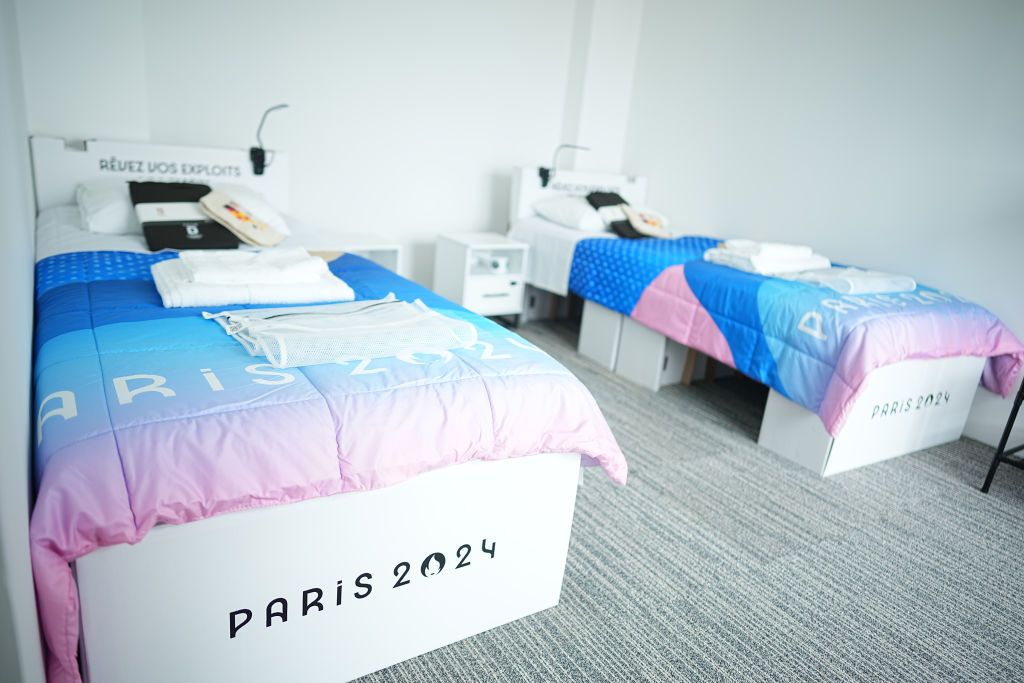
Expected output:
(257, 154)
(546, 174)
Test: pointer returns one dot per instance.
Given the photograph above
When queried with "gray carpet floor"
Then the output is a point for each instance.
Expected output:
(722, 562)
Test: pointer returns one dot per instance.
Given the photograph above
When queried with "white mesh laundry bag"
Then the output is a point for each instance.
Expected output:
(310, 335)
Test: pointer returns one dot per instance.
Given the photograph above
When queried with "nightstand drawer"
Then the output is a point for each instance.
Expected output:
(494, 294)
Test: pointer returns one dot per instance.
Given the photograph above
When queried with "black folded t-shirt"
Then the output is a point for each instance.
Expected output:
(172, 219)
(621, 228)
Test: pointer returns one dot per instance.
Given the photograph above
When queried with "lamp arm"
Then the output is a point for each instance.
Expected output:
(263, 119)
(564, 145)
(546, 174)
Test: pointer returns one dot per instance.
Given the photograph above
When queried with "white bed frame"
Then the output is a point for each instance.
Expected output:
(162, 610)
(601, 329)
(527, 187)
(904, 407)
(59, 166)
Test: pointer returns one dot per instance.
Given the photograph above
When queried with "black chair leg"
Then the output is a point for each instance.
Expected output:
(998, 457)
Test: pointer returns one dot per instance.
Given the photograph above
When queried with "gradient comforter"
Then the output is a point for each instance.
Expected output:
(809, 343)
(149, 416)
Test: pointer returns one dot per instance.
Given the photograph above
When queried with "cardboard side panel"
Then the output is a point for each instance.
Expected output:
(599, 334)
(333, 588)
(904, 408)
(641, 358)
(795, 433)
(907, 407)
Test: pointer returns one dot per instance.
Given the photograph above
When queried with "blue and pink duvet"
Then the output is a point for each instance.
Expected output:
(149, 416)
(809, 343)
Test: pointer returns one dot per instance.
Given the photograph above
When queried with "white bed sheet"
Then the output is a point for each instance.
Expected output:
(551, 251)
(59, 231)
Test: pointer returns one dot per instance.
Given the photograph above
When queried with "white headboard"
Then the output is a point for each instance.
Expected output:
(527, 188)
(58, 167)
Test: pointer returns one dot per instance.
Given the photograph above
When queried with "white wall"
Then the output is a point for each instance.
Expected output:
(84, 68)
(885, 133)
(19, 637)
(601, 69)
(405, 117)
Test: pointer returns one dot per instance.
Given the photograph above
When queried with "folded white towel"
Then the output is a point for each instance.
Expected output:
(270, 266)
(857, 281)
(777, 249)
(766, 264)
(173, 281)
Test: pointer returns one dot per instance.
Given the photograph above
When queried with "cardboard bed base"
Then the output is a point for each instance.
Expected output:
(904, 407)
(540, 304)
(332, 588)
(600, 332)
(653, 360)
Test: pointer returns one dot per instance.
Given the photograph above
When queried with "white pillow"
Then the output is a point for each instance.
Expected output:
(572, 212)
(106, 207)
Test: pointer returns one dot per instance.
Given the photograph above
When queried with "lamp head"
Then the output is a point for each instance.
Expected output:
(257, 154)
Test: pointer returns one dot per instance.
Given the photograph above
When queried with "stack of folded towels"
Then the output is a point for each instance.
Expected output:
(766, 258)
(798, 262)
(230, 277)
